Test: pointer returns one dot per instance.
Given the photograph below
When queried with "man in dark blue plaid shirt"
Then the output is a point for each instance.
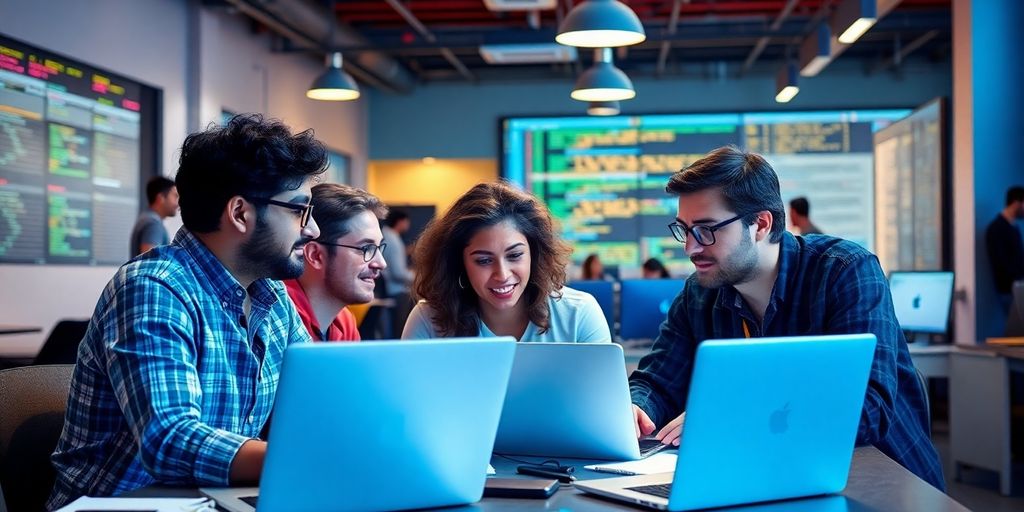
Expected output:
(755, 279)
(177, 372)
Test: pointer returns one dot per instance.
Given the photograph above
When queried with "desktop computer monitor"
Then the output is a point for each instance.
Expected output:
(604, 292)
(644, 305)
(922, 300)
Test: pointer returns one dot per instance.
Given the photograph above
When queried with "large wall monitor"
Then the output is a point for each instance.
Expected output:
(75, 142)
(910, 181)
(604, 178)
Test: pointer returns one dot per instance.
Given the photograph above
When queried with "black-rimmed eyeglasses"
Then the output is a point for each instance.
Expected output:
(704, 235)
(305, 210)
(369, 250)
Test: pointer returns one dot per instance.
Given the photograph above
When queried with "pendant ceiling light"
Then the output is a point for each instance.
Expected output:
(786, 83)
(603, 81)
(333, 84)
(601, 23)
(603, 108)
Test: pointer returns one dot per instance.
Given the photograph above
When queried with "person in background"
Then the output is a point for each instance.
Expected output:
(398, 277)
(800, 216)
(149, 230)
(654, 269)
(592, 268)
(497, 268)
(342, 264)
(177, 372)
(756, 279)
(1005, 247)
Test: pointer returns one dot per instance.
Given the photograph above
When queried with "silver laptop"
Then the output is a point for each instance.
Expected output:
(767, 419)
(354, 420)
(568, 400)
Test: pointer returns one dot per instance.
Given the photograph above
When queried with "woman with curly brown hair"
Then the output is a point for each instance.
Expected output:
(494, 266)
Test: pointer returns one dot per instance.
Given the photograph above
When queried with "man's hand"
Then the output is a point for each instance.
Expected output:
(642, 423)
(669, 434)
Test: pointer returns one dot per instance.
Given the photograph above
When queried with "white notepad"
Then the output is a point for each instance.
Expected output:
(661, 462)
(137, 504)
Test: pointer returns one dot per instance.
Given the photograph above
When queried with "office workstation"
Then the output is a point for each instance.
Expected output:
(469, 166)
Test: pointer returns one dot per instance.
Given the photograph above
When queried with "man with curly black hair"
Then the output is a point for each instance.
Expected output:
(177, 372)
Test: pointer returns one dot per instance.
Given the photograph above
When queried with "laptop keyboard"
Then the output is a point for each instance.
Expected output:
(249, 500)
(649, 446)
(660, 490)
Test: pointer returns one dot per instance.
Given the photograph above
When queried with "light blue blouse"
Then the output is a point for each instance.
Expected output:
(575, 318)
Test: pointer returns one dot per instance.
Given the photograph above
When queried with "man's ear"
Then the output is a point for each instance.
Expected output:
(239, 215)
(763, 225)
(315, 255)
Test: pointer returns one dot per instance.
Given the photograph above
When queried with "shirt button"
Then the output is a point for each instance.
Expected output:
(252, 418)
(224, 304)
(238, 293)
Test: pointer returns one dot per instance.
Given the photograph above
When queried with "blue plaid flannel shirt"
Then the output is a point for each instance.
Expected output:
(169, 382)
(825, 286)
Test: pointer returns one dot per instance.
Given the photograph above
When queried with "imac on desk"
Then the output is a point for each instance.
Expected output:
(922, 302)
(644, 305)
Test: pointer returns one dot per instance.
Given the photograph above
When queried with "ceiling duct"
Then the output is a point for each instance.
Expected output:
(307, 23)
(542, 53)
(520, 5)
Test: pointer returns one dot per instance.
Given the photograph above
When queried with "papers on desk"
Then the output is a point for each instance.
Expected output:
(490, 470)
(661, 462)
(139, 504)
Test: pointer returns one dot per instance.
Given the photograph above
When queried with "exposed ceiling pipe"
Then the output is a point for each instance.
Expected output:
(902, 53)
(429, 36)
(666, 45)
(762, 43)
(307, 23)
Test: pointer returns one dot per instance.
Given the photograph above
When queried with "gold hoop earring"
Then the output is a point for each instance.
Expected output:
(460, 282)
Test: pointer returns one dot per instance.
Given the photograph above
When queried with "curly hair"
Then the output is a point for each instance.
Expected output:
(439, 254)
(249, 157)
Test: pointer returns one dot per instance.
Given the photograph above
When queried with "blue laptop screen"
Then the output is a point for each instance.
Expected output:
(645, 303)
(922, 300)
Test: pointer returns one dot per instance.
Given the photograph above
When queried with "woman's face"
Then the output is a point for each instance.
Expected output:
(497, 262)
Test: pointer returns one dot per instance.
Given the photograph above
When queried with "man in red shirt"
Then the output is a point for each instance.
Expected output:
(342, 264)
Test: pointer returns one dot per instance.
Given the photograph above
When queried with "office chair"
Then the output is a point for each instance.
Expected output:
(927, 401)
(32, 404)
(61, 346)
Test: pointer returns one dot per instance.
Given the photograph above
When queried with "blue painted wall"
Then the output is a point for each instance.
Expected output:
(460, 119)
(998, 74)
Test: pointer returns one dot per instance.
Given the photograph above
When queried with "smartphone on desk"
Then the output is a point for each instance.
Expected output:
(519, 488)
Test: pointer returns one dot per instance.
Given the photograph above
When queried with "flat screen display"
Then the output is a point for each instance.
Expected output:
(71, 158)
(604, 178)
(922, 300)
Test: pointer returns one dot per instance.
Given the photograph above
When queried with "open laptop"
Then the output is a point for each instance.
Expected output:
(766, 419)
(380, 426)
(569, 400)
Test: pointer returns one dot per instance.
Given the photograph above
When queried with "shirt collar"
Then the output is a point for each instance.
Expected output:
(224, 285)
(789, 255)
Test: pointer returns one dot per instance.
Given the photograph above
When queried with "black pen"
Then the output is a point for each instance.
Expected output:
(561, 476)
